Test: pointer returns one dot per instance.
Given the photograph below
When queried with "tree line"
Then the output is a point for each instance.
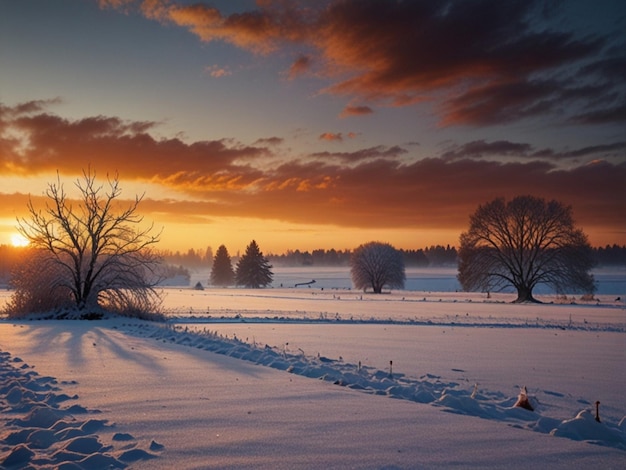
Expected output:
(93, 257)
(435, 255)
(179, 263)
(191, 259)
(431, 256)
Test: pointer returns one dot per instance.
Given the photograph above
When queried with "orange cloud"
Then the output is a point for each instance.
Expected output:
(260, 31)
(218, 72)
(299, 67)
(117, 4)
(366, 188)
(48, 143)
(337, 136)
(356, 111)
(331, 136)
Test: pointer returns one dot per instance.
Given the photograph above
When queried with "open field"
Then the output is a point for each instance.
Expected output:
(312, 378)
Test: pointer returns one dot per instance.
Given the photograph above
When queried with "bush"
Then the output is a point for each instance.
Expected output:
(40, 286)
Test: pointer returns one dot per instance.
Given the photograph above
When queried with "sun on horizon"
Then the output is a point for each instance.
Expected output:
(18, 240)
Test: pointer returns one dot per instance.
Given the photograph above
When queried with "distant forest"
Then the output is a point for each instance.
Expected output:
(434, 256)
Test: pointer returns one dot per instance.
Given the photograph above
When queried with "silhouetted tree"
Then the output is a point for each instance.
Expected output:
(441, 256)
(522, 243)
(253, 269)
(614, 255)
(414, 258)
(377, 265)
(98, 256)
(222, 273)
(319, 257)
(208, 256)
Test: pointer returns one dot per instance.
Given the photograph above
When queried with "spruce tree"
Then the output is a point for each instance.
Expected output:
(222, 273)
(253, 269)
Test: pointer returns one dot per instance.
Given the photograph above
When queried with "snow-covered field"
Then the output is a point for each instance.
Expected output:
(321, 378)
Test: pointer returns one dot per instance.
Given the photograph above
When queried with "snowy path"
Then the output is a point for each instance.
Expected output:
(497, 359)
(213, 411)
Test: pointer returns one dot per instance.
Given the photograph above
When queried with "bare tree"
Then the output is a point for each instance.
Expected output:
(96, 248)
(377, 265)
(523, 243)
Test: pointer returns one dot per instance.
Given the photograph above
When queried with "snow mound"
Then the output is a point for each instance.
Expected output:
(584, 427)
(37, 433)
(430, 389)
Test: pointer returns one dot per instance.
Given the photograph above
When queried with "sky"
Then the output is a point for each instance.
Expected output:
(317, 124)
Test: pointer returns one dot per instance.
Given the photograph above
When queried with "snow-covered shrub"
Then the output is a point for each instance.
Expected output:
(42, 286)
(38, 285)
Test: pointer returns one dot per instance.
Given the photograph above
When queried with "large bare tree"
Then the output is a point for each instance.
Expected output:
(377, 265)
(99, 247)
(522, 243)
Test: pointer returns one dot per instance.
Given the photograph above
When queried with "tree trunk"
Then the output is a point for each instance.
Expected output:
(524, 294)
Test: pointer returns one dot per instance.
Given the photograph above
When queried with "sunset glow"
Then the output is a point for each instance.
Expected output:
(18, 240)
(310, 125)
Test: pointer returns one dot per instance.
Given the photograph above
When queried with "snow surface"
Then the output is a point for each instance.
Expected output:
(301, 378)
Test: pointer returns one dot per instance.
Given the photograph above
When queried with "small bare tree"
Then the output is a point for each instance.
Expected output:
(522, 243)
(377, 265)
(99, 254)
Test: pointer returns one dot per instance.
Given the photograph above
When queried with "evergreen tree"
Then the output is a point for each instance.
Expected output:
(253, 269)
(208, 257)
(222, 273)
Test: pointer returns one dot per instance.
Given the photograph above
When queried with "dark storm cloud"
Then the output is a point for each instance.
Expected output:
(502, 149)
(483, 62)
(480, 148)
(363, 154)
